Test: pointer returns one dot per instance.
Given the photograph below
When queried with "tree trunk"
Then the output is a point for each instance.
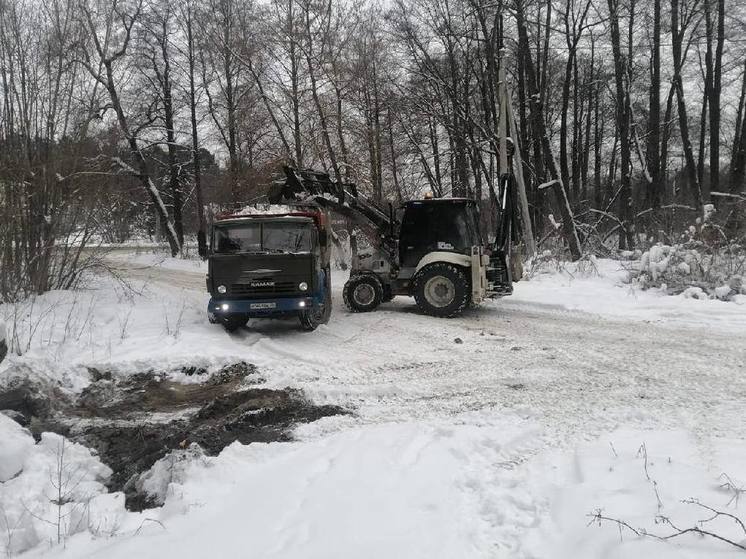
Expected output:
(598, 137)
(168, 115)
(667, 118)
(715, 91)
(654, 119)
(738, 161)
(627, 239)
(677, 35)
(202, 226)
(537, 115)
(141, 167)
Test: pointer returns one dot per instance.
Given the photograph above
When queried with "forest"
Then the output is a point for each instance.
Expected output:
(124, 119)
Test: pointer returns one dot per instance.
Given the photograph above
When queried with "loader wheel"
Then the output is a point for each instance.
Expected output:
(363, 293)
(441, 289)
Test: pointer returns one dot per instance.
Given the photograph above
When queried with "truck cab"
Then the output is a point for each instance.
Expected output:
(269, 266)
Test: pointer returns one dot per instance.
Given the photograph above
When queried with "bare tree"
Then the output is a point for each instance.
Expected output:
(108, 29)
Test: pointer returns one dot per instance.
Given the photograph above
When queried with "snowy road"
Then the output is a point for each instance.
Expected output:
(571, 371)
(488, 436)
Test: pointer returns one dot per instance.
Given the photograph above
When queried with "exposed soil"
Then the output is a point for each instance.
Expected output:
(134, 421)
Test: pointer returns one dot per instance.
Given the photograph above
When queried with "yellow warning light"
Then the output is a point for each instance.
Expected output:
(428, 195)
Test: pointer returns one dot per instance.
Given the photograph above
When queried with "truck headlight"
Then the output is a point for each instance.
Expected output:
(225, 307)
(221, 289)
(303, 286)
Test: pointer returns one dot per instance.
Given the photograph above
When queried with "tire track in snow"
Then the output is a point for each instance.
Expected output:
(574, 370)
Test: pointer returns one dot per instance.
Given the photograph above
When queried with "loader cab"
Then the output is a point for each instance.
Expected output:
(439, 224)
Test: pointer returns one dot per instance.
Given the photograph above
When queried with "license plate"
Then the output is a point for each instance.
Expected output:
(263, 305)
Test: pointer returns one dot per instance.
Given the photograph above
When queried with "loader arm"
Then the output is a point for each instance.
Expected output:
(342, 198)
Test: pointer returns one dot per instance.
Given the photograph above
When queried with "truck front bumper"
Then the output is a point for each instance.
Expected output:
(257, 308)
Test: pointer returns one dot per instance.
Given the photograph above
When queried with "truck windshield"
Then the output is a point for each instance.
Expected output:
(277, 237)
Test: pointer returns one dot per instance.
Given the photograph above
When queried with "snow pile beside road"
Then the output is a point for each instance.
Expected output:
(62, 335)
(404, 491)
(50, 490)
(606, 287)
(695, 270)
(170, 471)
(479, 487)
(17, 444)
(659, 484)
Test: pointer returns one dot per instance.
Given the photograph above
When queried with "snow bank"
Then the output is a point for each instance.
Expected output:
(477, 487)
(170, 471)
(397, 491)
(606, 287)
(50, 490)
(142, 327)
(715, 273)
(652, 481)
(16, 446)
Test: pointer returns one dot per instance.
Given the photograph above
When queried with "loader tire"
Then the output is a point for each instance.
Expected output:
(442, 290)
(363, 293)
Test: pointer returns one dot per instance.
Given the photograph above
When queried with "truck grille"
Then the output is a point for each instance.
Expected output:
(278, 288)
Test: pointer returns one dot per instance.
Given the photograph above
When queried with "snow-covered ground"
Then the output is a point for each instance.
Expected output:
(500, 433)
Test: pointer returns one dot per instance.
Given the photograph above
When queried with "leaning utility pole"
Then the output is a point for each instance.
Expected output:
(537, 118)
(507, 128)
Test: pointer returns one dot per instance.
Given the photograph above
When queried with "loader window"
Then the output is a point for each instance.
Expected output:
(432, 226)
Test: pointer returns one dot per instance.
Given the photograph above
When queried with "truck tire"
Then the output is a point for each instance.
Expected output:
(319, 314)
(328, 296)
(363, 293)
(442, 289)
(310, 319)
(233, 322)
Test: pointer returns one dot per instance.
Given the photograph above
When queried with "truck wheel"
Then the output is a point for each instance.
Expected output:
(441, 289)
(363, 293)
(327, 296)
(233, 322)
(318, 314)
(310, 319)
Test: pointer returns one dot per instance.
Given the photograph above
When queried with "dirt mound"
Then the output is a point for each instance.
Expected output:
(137, 420)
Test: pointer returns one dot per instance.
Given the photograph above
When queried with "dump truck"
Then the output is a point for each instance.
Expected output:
(270, 263)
